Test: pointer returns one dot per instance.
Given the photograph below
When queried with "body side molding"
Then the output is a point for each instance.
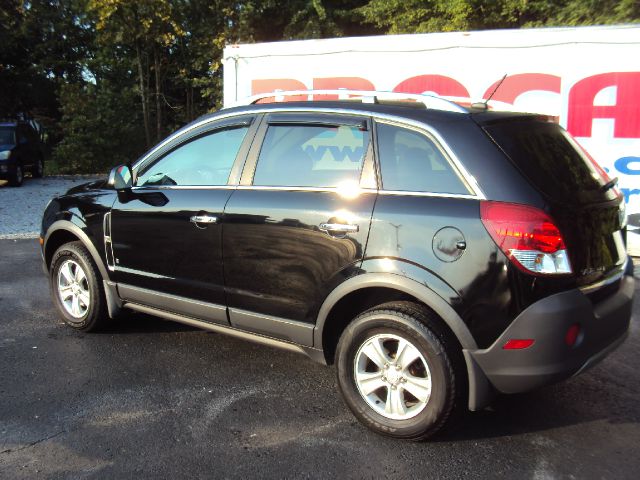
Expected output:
(290, 330)
(208, 312)
(225, 329)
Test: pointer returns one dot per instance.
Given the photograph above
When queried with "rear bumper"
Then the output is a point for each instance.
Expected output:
(603, 327)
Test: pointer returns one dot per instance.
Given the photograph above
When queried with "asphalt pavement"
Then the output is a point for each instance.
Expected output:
(154, 399)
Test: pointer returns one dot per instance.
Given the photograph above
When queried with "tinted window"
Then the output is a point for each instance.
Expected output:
(7, 136)
(411, 162)
(206, 160)
(311, 156)
(550, 158)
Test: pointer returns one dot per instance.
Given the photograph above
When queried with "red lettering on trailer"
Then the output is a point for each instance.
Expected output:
(440, 84)
(581, 110)
(334, 83)
(269, 85)
(515, 85)
(626, 111)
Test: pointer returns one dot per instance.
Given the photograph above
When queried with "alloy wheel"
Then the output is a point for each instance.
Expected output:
(73, 289)
(392, 376)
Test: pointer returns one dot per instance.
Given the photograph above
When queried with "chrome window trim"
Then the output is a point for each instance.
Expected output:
(468, 180)
(183, 187)
(429, 194)
(307, 189)
(400, 121)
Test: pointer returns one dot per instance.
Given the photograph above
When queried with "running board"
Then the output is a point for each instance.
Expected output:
(234, 332)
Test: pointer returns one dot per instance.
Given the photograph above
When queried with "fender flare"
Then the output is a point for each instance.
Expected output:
(403, 284)
(480, 391)
(83, 237)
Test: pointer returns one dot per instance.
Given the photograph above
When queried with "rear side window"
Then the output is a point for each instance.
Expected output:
(409, 161)
(311, 156)
(550, 158)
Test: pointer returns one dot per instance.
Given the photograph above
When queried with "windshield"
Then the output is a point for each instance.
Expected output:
(7, 136)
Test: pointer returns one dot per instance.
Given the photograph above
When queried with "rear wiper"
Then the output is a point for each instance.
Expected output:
(610, 184)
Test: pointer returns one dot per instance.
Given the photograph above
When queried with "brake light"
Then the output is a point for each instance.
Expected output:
(527, 236)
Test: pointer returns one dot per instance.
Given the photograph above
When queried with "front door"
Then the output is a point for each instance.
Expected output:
(166, 233)
(297, 225)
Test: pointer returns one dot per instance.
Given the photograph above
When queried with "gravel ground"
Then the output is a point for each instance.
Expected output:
(21, 208)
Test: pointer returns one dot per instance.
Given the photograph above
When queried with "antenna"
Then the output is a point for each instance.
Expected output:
(495, 89)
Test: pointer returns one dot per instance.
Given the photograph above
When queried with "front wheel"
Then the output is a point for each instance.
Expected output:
(17, 178)
(77, 289)
(396, 371)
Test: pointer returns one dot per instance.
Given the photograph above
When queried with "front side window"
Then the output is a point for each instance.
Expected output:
(207, 160)
(410, 161)
(311, 156)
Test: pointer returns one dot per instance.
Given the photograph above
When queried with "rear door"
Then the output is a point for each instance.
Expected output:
(297, 225)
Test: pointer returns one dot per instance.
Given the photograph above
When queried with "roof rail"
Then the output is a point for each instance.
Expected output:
(366, 96)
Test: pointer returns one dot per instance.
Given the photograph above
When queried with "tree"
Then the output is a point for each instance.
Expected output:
(423, 16)
(148, 28)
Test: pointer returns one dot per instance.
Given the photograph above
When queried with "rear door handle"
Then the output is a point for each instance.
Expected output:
(338, 228)
(203, 219)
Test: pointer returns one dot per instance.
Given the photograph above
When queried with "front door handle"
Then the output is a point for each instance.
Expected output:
(341, 228)
(203, 219)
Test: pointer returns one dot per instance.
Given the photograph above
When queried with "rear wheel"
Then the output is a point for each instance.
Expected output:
(77, 289)
(17, 178)
(396, 371)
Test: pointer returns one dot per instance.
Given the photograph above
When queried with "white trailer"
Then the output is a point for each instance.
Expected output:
(586, 77)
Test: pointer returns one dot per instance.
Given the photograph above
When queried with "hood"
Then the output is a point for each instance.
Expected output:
(86, 187)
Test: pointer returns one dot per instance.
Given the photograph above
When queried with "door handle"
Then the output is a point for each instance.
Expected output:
(338, 228)
(203, 219)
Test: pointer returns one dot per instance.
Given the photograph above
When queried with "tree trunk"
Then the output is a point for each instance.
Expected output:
(143, 97)
(156, 62)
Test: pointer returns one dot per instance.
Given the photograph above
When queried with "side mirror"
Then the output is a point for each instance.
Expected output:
(121, 177)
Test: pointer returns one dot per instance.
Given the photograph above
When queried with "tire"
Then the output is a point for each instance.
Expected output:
(16, 179)
(38, 170)
(415, 399)
(76, 288)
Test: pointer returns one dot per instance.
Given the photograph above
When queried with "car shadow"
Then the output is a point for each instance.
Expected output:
(561, 405)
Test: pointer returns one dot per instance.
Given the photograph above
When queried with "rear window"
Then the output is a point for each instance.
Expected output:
(551, 159)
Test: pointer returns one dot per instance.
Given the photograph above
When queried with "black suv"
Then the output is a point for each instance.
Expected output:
(436, 254)
(20, 152)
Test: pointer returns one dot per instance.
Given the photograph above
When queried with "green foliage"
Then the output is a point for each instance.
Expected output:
(100, 129)
(424, 16)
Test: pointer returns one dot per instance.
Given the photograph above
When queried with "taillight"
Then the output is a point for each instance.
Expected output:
(527, 236)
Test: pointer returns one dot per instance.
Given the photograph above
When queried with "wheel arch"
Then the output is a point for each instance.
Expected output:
(405, 288)
(384, 287)
(63, 231)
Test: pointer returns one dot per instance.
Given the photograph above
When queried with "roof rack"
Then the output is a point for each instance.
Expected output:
(366, 96)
